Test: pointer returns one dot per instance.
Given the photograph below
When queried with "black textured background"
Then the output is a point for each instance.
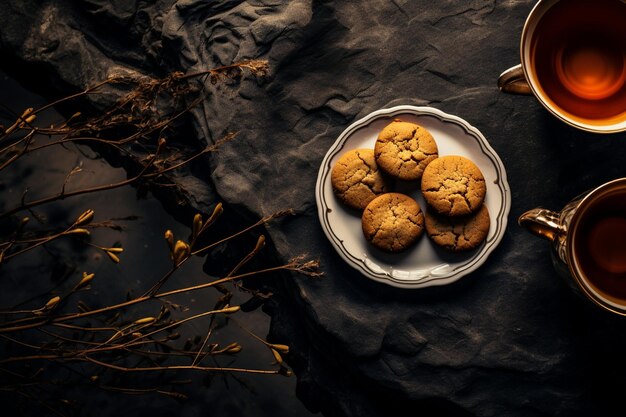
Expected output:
(508, 340)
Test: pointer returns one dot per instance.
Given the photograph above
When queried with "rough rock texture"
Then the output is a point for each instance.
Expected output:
(510, 339)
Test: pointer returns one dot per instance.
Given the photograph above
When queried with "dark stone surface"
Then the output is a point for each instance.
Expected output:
(508, 340)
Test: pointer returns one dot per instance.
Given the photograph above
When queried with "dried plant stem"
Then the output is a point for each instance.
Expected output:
(37, 322)
(62, 344)
(141, 391)
(247, 229)
(27, 141)
(35, 243)
(35, 399)
(85, 92)
(183, 367)
(64, 194)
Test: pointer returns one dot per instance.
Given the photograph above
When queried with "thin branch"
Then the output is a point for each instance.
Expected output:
(64, 195)
(183, 367)
(293, 266)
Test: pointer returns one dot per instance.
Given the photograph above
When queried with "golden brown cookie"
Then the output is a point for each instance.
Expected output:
(356, 179)
(453, 185)
(392, 222)
(459, 233)
(404, 149)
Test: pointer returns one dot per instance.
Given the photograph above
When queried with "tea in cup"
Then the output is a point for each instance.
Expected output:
(589, 242)
(573, 59)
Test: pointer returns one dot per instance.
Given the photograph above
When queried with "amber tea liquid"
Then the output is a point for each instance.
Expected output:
(600, 245)
(578, 53)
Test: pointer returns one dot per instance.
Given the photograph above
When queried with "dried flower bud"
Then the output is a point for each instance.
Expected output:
(113, 257)
(85, 218)
(217, 211)
(26, 112)
(52, 303)
(94, 378)
(24, 220)
(87, 278)
(233, 348)
(19, 122)
(79, 231)
(260, 243)
(280, 348)
(27, 117)
(145, 320)
(136, 335)
(230, 310)
(277, 357)
(115, 250)
(197, 225)
(181, 251)
(169, 238)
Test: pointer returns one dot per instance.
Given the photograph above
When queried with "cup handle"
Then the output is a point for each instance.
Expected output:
(513, 81)
(541, 222)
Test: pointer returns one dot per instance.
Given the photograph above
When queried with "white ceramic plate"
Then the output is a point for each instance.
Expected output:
(424, 264)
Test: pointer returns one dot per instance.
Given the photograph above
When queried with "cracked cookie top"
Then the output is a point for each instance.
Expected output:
(392, 222)
(453, 185)
(404, 149)
(356, 179)
(458, 233)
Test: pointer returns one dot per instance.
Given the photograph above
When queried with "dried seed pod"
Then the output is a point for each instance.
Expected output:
(217, 211)
(87, 278)
(85, 218)
(145, 320)
(169, 238)
(52, 303)
(277, 357)
(232, 348)
(230, 310)
(197, 225)
(280, 348)
(28, 120)
(113, 257)
(181, 251)
(79, 231)
(260, 243)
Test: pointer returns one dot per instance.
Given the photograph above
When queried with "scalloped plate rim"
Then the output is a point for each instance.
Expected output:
(361, 264)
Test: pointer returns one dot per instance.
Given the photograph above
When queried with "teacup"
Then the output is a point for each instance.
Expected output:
(589, 242)
(573, 59)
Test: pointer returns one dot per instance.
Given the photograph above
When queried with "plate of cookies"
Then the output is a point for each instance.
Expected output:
(413, 197)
